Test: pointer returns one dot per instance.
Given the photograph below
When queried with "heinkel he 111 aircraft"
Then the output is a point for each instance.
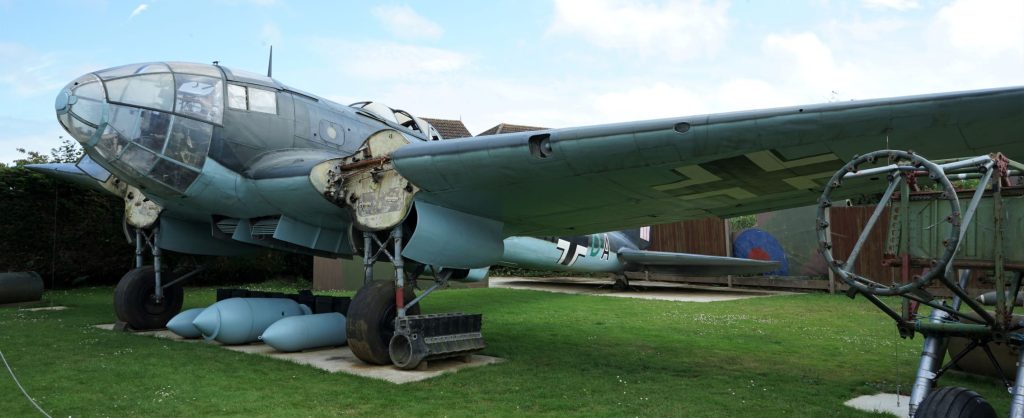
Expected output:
(212, 160)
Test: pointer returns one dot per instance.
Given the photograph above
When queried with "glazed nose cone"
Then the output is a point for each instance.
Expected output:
(63, 102)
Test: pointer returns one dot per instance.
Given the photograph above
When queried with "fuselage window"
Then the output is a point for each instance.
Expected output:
(237, 98)
(252, 98)
(262, 101)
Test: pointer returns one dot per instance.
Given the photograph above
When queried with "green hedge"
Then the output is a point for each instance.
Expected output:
(73, 236)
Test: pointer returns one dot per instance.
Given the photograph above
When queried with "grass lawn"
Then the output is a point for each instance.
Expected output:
(782, 356)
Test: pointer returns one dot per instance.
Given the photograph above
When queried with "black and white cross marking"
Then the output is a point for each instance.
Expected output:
(570, 252)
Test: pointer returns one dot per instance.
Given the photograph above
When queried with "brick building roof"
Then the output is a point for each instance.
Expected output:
(449, 129)
(507, 128)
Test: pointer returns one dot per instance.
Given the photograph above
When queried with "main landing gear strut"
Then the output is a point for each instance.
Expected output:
(384, 324)
(147, 297)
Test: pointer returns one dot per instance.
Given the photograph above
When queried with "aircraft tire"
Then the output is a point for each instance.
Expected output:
(954, 402)
(133, 301)
(371, 320)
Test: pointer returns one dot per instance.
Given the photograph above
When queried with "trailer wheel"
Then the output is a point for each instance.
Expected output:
(370, 322)
(954, 402)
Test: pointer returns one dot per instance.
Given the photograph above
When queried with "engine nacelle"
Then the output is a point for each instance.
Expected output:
(445, 237)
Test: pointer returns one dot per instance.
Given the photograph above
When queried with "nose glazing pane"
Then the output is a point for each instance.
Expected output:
(176, 176)
(138, 158)
(189, 141)
(111, 143)
(80, 131)
(90, 111)
(192, 68)
(199, 96)
(153, 130)
(151, 90)
(133, 69)
(91, 89)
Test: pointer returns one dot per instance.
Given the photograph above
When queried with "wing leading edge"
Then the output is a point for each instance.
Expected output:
(609, 177)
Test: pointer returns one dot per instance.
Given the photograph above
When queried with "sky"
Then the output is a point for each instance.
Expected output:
(542, 63)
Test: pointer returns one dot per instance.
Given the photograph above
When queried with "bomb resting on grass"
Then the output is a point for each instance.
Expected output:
(242, 320)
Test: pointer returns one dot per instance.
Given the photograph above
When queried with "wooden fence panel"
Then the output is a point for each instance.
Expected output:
(846, 224)
(702, 236)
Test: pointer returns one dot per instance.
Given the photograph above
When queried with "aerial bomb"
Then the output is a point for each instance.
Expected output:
(242, 320)
(989, 298)
(296, 333)
(182, 324)
(20, 287)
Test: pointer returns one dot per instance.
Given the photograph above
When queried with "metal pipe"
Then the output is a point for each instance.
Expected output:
(931, 361)
(157, 265)
(960, 316)
(878, 170)
(1017, 392)
(368, 259)
(194, 272)
(1015, 290)
(968, 176)
(965, 275)
(975, 306)
(399, 272)
(138, 248)
(1002, 314)
(436, 285)
(953, 328)
(965, 163)
(871, 222)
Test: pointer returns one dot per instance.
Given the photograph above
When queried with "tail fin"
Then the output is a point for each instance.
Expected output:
(641, 237)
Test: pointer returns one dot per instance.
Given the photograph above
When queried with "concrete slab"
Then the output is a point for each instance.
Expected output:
(678, 292)
(339, 359)
(887, 403)
(45, 308)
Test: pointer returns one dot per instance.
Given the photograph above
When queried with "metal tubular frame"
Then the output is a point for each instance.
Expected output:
(945, 321)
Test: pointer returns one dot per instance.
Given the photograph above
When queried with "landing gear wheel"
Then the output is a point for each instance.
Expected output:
(135, 302)
(371, 320)
(621, 284)
(954, 402)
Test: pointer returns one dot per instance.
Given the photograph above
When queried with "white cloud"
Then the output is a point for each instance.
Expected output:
(748, 93)
(271, 34)
(801, 57)
(658, 100)
(138, 10)
(676, 30)
(30, 73)
(388, 60)
(404, 22)
(986, 26)
(900, 5)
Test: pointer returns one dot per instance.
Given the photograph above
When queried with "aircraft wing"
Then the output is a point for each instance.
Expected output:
(84, 173)
(610, 177)
(694, 264)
